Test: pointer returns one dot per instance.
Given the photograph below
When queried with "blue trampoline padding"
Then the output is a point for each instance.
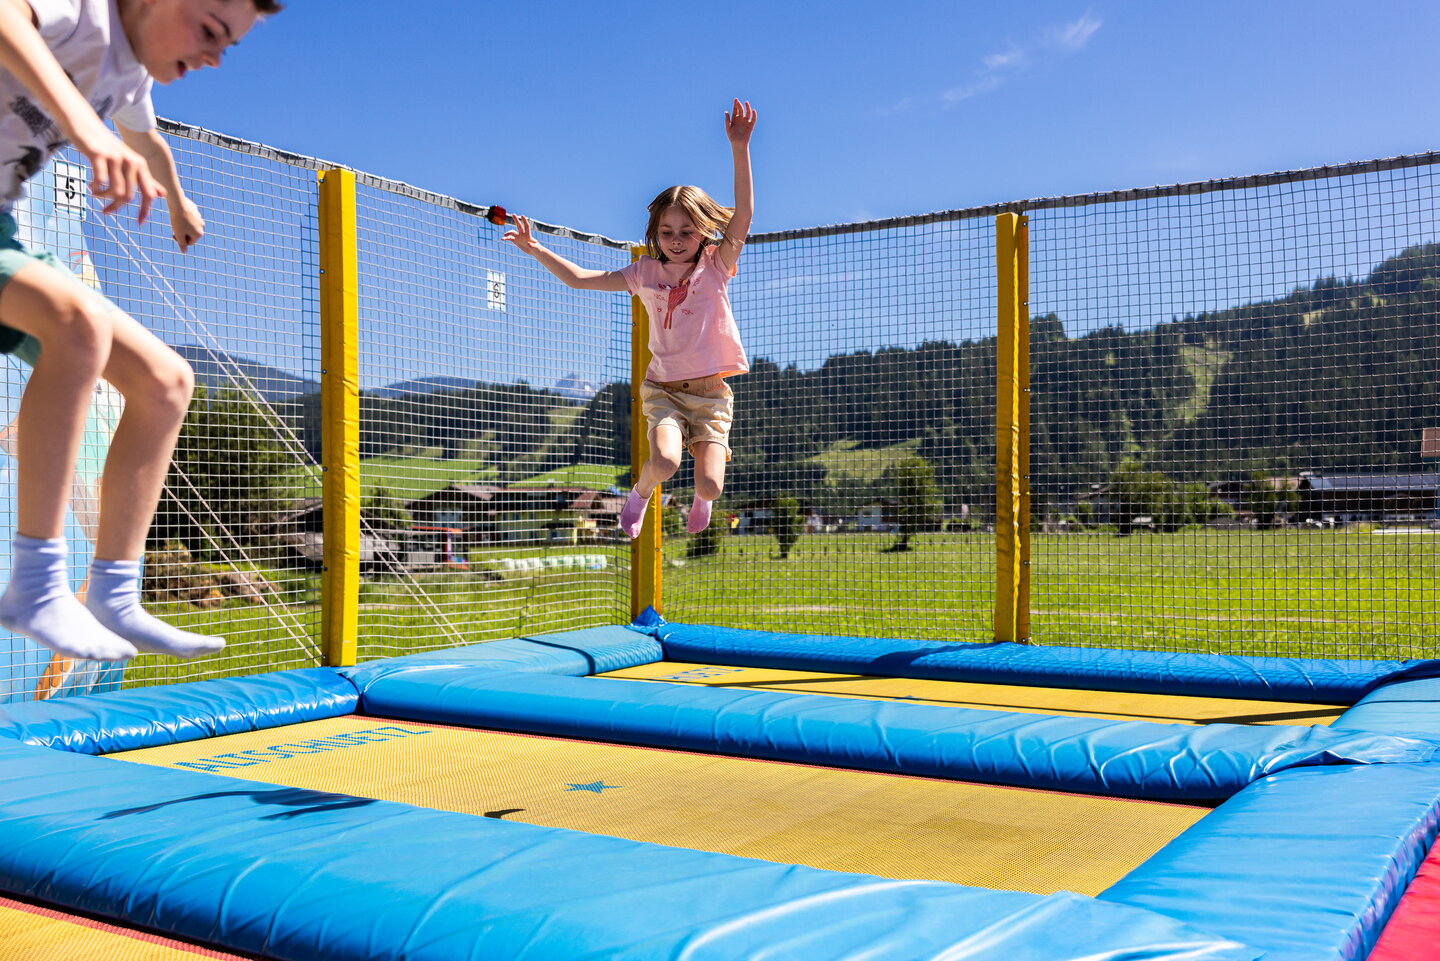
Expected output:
(595, 650)
(1116, 758)
(1400, 707)
(1145, 672)
(149, 716)
(306, 876)
(1308, 864)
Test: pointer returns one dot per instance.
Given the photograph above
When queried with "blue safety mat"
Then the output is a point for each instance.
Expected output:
(594, 650)
(1200, 675)
(308, 876)
(1307, 865)
(1089, 755)
(1401, 707)
(149, 716)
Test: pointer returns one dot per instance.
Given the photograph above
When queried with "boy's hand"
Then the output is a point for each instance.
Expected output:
(521, 237)
(118, 173)
(186, 224)
(740, 123)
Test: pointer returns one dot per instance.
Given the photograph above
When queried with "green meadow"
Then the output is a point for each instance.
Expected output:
(1341, 594)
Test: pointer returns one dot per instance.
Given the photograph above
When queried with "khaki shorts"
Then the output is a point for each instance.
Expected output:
(702, 409)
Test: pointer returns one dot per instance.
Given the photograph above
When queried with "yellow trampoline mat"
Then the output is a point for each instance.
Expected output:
(889, 825)
(993, 697)
(40, 934)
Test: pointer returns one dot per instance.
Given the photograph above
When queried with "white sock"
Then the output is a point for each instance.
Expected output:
(39, 604)
(114, 598)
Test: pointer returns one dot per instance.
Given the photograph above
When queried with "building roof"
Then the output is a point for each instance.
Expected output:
(1370, 482)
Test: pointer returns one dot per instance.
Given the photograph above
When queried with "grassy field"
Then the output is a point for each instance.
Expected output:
(408, 478)
(1323, 594)
(1319, 594)
(596, 477)
(846, 458)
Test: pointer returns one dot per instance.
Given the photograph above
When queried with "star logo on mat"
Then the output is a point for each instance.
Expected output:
(595, 787)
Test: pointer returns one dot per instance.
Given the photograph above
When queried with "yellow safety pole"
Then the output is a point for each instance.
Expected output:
(340, 416)
(646, 560)
(1022, 369)
(1012, 411)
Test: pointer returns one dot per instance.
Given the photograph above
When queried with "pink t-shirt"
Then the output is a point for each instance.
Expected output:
(692, 331)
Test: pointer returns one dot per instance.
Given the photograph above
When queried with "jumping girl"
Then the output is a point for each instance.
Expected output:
(693, 245)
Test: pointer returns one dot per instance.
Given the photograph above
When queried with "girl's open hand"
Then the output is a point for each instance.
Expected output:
(520, 236)
(740, 122)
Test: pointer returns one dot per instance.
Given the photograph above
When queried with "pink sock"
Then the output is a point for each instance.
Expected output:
(632, 516)
(699, 515)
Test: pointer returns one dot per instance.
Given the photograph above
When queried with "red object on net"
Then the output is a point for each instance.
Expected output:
(496, 216)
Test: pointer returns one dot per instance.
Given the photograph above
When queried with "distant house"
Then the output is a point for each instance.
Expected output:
(300, 531)
(470, 508)
(488, 514)
(755, 517)
(760, 516)
(1240, 495)
(878, 515)
(450, 522)
(1367, 497)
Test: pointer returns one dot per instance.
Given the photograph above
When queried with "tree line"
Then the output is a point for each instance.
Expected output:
(1335, 377)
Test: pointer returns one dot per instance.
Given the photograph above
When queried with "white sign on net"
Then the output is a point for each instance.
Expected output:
(69, 185)
(494, 290)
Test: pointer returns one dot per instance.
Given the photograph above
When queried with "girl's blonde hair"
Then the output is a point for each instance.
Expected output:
(709, 217)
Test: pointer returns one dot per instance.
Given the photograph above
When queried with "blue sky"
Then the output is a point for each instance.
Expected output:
(578, 113)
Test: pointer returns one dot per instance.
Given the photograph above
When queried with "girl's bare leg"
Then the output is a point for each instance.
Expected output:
(666, 442)
(709, 482)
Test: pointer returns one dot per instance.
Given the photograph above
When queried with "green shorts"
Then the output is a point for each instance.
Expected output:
(13, 258)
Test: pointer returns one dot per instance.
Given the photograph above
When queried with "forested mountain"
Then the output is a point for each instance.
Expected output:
(1336, 377)
(504, 422)
(1340, 376)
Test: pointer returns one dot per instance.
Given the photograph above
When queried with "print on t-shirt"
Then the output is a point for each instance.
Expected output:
(677, 297)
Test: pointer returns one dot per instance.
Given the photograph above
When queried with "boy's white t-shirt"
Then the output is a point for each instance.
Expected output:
(87, 39)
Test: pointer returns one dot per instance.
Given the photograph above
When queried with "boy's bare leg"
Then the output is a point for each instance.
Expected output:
(75, 338)
(709, 482)
(157, 384)
(666, 442)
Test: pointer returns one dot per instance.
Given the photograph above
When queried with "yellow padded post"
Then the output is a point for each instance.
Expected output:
(1022, 369)
(340, 415)
(646, 559)
(1012, 414)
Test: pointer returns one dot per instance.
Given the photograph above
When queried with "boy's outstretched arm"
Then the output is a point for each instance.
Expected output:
(118, 171)
(739, 125)
(571, 275)
(186, 224)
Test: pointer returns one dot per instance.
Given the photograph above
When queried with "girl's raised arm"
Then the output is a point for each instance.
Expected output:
(571, 275)
(739, 125)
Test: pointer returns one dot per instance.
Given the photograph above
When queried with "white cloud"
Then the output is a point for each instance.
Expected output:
(900, 106)
(1073, 36)
(975, 88)
(1013, 58)
(996, 67)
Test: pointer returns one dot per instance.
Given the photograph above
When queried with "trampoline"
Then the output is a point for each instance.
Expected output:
(682, 791)
(844, 820)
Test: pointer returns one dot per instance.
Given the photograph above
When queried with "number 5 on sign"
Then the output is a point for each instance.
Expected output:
(494, 290)
(69, 185)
